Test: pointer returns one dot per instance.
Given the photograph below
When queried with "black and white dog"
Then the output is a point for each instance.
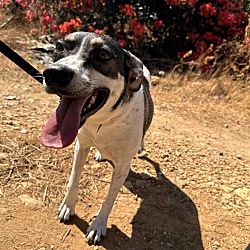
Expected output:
(105, 103)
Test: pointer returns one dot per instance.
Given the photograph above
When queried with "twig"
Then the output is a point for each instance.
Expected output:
(65, 235)
(45, 194)
(6, 147)
(6, 22)
(10, 173)
(36, 148)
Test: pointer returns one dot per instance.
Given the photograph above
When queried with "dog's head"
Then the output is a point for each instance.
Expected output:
(90, 71)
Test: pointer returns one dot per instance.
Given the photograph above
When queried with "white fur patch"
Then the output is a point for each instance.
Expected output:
(96, 41)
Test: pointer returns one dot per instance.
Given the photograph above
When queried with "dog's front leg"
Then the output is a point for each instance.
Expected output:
(67, 207)
(99, 224)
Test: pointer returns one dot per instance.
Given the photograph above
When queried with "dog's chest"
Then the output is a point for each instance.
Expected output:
(123, 131)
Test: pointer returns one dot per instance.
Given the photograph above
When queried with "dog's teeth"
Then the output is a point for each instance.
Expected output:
(93, 98)
(84, 109)
(89, 106)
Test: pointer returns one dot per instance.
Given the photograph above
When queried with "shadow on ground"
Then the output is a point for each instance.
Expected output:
(166, 219)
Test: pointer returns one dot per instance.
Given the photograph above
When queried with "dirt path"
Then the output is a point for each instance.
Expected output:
(189, 189)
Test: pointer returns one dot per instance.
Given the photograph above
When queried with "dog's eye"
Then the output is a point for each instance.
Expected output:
(59, 47)
(104, 55)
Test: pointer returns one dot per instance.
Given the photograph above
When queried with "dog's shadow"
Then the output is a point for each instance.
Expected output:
(167, 217)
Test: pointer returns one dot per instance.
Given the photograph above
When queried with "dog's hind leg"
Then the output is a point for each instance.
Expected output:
(67, 207)
(99, 224)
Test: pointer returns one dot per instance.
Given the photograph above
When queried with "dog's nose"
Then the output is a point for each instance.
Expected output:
(58, 75)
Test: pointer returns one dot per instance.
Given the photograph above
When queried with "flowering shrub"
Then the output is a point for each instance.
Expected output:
(163, 28)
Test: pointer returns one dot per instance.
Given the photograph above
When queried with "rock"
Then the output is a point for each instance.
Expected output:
(227, 189)
(216, 244)
(31, 202)
(178, 154)
(24, 131)
(11, 98)
(239, 156)
(244, 194)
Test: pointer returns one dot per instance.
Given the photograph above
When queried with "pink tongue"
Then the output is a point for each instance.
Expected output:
(63, 124)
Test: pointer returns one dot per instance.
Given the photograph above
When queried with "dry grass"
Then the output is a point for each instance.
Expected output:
(198, 89)
(206, 100)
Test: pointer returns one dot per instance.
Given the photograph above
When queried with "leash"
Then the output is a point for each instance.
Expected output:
(19, 61)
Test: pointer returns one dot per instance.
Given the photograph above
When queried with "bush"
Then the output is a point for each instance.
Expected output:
(164, 28)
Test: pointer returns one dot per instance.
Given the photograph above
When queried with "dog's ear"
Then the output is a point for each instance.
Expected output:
(135, 71)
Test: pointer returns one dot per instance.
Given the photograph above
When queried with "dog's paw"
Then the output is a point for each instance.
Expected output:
(97, 230)
(65, 211)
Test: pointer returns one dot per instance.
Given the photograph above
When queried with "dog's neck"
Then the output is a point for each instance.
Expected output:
(107, 115)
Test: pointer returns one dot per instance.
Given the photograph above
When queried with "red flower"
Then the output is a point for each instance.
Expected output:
(207, 10)
(223, 2)
(33, 30)
(29, 15)
(208, 36)
(54, 28)
(192, 2)
(44, 29)
(23, 3)
(5, 3)
(192, 36)
(78, 20)
(158, 23)
(64, 28)
(47, 19)
(173, 2)
(97, 31)
(226, 18)
(122, 42)
(90, 28)
(68, 27)
(128, 10)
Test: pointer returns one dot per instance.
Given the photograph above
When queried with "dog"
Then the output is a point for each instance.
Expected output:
(106, 103)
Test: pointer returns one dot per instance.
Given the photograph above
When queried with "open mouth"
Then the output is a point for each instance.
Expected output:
(94, 103)
(63, 124)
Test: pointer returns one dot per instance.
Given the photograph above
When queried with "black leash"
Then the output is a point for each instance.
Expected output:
(19, 61)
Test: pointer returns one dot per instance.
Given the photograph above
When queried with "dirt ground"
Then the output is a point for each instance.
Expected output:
(189, 189)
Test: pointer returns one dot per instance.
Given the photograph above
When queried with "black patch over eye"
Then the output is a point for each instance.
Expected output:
(104, 55)
(59, 47)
